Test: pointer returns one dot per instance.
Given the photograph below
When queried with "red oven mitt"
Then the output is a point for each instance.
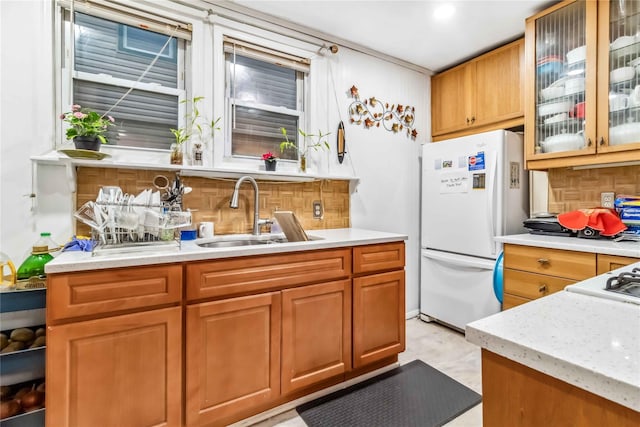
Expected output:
(604, 220)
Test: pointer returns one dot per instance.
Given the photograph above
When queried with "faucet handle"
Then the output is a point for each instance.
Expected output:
(265, 221)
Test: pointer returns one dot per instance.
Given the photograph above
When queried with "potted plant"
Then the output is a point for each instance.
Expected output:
(196, 128)
(316, 142)
(86, 127)
(269, 161)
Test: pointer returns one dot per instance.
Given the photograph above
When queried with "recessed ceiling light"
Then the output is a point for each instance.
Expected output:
(444, 11)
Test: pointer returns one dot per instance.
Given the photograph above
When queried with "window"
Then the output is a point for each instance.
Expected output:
(264, 92)
(109, 58)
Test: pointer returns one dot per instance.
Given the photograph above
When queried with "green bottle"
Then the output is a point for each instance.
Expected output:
(33, 266)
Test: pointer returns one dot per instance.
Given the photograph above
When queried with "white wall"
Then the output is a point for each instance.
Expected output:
(27, 118)
(387, 195)
(385, 198)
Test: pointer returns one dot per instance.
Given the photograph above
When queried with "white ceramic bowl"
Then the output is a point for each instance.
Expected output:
(624, 134)
(552, 92)
(563, 142)
(622, 41)
(622, 74)
(576, 55)
(556, 119)
(575, 85)
(554, 108)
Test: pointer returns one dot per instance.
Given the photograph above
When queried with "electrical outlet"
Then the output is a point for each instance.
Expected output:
(318, 211)
(606, 199)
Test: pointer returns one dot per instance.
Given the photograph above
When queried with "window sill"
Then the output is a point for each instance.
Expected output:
(56, 158)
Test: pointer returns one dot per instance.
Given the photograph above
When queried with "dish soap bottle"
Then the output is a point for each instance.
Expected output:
(33, 266)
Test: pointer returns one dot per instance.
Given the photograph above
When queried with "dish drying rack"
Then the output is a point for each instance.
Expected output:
(126, 226)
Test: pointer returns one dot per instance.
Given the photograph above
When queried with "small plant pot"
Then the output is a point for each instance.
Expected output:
(91, 143)
(270, 165)
(176, 154)
(303, 163)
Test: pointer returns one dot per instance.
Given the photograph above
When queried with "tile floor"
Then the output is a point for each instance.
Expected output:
(440, 347)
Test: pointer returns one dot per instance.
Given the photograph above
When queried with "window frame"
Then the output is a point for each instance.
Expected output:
(222, 28)
(65, 54)
(230, 102)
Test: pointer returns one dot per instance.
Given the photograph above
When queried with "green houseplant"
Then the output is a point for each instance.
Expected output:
(309, 141)
(86, 127)
(197, 128)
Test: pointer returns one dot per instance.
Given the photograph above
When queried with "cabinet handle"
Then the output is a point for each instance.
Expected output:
(601, 141)
(543, 261)
(543, 288)
(589, 142)
(473, 119)
(468, 121)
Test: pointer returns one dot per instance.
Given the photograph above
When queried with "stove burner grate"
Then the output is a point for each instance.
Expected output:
(627, 282)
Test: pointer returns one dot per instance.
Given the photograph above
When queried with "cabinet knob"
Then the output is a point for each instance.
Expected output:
(473, 119)
(543, 288)
(589, 142)
(468, 121)
(601, 142)
(543, 261)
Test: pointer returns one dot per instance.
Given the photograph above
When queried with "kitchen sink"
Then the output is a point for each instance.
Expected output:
(230, 241)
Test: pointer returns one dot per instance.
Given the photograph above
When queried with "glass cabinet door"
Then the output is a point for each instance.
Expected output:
(624, 67)
(561, 53)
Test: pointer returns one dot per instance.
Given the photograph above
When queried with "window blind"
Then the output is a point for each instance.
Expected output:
(266, 55)
(125, 14)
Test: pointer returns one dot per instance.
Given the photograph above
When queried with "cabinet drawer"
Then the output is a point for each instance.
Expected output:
(371, 258)
(510, 301)
(114, 290)
(532, 285)
(554, 262)
(234, 276)
(611, 262)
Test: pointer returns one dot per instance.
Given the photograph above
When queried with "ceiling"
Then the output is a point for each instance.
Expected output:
(407, 30)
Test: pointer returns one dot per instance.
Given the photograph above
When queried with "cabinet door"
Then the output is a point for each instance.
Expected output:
(378, 317)
(316, 333)
(498, 85)
(618, 82)
(232, 356)
(451, 99)
(611, 262)
(123, 371)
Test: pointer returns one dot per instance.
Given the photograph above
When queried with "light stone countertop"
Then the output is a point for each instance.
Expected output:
(592, 343)
(190, 251)
(600, 246)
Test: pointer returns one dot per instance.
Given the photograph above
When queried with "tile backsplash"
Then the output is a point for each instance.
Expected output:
(209, 199)
(570, 189)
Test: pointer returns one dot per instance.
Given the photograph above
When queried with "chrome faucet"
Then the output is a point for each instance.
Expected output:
(233, 203)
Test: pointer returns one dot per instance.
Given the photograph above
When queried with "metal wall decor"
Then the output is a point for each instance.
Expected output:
(371, 112)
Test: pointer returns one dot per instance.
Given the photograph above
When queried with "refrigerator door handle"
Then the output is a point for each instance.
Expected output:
(491, 209)
(458, 260)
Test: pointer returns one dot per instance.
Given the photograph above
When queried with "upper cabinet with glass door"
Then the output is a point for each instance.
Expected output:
(581, 78)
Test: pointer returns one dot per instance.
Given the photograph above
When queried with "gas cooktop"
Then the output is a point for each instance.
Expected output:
(622, 284)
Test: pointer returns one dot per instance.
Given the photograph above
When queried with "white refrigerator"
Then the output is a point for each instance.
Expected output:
(473, 189)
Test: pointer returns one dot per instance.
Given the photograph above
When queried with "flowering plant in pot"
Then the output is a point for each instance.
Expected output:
(86, 127)
(270, 161)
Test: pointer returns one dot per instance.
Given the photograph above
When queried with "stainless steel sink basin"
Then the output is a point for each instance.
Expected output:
(228, 242)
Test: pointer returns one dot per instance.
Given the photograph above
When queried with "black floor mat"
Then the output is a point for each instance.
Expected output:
(414, 394)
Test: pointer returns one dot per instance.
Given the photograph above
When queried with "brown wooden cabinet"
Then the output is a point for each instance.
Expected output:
(248, 333)
(575, 112)
(531, 272)
(516, 395)
(232, 356)
(247, 353)
(105, 367)
(378, 302)
(611, 262)
(316, 334)
(118, 371)
(483, 94)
